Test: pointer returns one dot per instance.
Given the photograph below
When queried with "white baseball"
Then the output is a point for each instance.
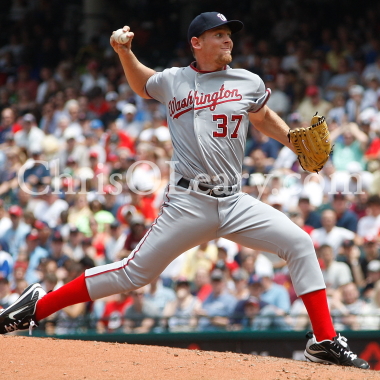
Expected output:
(120, 36)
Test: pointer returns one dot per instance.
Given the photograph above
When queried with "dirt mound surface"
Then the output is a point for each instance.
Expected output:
(49, 358)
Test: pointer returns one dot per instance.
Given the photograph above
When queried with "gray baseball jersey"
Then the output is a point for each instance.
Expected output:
(208, 121)
(208, 118)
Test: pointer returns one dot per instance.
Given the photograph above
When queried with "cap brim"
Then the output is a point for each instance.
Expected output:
(234, 25)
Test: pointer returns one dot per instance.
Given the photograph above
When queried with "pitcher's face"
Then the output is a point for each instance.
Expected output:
(216, 45)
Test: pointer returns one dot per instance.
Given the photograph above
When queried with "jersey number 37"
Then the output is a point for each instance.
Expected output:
(223, 125)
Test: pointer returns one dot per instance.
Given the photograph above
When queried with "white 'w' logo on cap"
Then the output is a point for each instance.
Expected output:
(222, 17)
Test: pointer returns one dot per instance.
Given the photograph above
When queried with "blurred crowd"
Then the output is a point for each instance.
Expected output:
(83, 167)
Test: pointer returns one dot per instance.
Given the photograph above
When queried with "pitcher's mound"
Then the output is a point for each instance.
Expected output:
(49, 358)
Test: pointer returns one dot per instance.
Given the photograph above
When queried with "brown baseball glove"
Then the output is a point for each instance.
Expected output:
(312, 144)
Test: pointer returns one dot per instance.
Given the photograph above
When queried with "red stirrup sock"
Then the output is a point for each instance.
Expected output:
(69, 294)
(319, 314)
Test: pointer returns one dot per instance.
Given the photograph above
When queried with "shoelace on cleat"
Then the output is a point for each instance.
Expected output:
(341, 343)
(12, 327)
(31, 325)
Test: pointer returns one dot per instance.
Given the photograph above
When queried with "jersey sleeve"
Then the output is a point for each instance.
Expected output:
(157, 86)
(260, 96)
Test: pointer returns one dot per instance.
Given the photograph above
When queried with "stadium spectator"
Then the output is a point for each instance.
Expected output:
(128, 123)
(136, 233)
(311, 102)
(373, 272)
(254, 262)
(311, 217)
(218, 306)
(57, 252)
(348, 310)
(371, 252)
(202, 284)
(142, 316)
(113, 112)
(350, 254)
(274, 294)
(368, 226)
(335, 273)
(7, 297)
(345, 217)
(258, 317)
(30, 137)
(203, 256)
(180, 314)
(8, 124)
(158, 294)
(329, 233)
(14, 236)
(34, 253)
(115, 307)
(70, 319)
(240, 278)
(351, 148)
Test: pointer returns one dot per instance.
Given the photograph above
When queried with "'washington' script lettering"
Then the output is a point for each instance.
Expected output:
(198, 100)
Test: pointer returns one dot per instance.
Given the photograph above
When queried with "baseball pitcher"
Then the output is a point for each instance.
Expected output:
(209, 107)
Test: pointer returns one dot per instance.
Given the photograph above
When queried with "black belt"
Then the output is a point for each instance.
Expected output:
(211, 191)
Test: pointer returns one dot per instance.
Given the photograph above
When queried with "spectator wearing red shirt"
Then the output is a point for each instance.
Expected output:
(141, 205)
(24, 82)
(222, 261)
(8, 124)
(136, 233)
(117, 139)
(373, 151)
(98, 105)
(95, 165)
(297, 217)
(112, 318)
(202, 284)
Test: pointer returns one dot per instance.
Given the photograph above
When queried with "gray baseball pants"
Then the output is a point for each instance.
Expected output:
(188, 218)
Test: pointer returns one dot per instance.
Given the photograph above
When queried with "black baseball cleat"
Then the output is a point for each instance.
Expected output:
(334, 351)
(20, 315)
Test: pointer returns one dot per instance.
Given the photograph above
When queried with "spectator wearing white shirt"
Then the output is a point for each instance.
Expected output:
(5, 221)
(93, 78)
(74, 127)
(372, 69)
(278, 101)
(286, 157)
(354, 105)
(371, 91)
(30, 137)
(50, 208)
(369, 225)
(45, 74)
(128, 123)
(254, 262)
(329, 233)
(335, 273)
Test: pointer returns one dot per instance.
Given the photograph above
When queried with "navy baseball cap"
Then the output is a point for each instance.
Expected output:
(209, 20)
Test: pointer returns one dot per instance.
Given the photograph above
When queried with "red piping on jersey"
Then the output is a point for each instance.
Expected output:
(177, 115)
(148, 92)
(269, 93)
(224, 101)
(165, 204)
(192, 65)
